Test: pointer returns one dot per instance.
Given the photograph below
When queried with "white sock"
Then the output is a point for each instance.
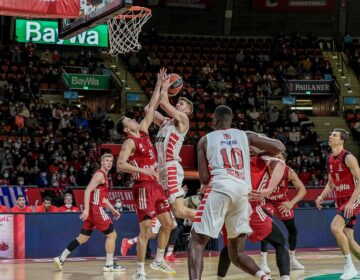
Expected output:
(170, 251)
(348, 259)
(292, 255)
(263, 256)
(159, 255)
(133, 240)
(109, 259)
(64, 255)
(141, 268)
(285, 277)
(260, 275)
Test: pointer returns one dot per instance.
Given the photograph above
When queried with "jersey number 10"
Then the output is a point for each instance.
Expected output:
(236, 158)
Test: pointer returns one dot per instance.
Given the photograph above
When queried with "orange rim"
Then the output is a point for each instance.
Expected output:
(142, 12)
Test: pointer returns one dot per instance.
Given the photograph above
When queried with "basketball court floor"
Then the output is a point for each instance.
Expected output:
(321, 264)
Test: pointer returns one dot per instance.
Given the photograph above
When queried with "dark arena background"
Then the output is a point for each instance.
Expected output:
(69, 69)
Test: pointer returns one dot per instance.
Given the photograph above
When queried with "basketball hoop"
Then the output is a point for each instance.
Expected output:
(124, 30)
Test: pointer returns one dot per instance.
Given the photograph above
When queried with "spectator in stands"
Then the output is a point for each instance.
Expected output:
(47, 206)
(348, 42)
(305, 176)
(68, 204)
(20, 206)
(356, 131)
(46, 57)
(311, 136)
(4, 177)
(42, 180)
(3, 209)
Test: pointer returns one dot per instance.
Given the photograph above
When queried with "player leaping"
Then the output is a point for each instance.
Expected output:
(169, 141)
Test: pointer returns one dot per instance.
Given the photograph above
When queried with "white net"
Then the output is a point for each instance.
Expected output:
(124, 30)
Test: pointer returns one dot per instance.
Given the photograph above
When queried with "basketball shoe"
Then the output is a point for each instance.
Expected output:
(171, 258)
(125, 246)
(295, 265)
(58, 263)
(113, 268)
(349, 272)
(162, 267)
(264, 267)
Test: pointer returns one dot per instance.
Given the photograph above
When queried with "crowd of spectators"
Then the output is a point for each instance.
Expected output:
(57, 145)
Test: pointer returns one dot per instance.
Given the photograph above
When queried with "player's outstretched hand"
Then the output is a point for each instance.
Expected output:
(162, 75)
(150, 172)
(319, 201)
(166, 84)
(84, 215)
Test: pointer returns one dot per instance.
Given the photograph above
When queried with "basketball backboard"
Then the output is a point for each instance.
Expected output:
(92, 13)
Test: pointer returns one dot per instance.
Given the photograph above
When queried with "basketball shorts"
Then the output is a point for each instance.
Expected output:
(171, 178)
(150, 200)
(97, 218)
(340, 210)
(272, 207)
(156, 224)
(218, 208)
(261, 224)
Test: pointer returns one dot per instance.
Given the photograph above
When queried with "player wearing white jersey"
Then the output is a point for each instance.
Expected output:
(224, 168)
(168, 143)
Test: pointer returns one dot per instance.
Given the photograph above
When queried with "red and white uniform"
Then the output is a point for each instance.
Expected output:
(226, 197)
(17, 209)
(278, 197)
(260, 223)
(3, 209)
(344, 182)
(149, 196)
(98, 218)
(168, 145)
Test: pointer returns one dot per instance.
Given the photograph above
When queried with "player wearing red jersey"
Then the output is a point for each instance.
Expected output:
(138, 156)
(94, 216)
(169, 140)
(68, 204)
(278, 203)
(224, 168)
(266, 173)
(47, 206)
(21, 206)
(344, 178)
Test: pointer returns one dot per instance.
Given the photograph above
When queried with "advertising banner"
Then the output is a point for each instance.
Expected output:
(309, 87)
(187, 154)
(86, 81)
(126, 197)
(43, 9)
(294, 5)
(46, 32)
(7, 236)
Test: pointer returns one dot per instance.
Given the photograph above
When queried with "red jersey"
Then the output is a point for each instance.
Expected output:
(281, 190)
(144, 156)
(42, 209)
(16, 209)
(100, 194)
(3, 209)
(341, 175)
(260, 176)
(68, 209)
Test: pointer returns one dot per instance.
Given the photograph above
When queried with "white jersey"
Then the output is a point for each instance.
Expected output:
(168, 142)
(229, 161)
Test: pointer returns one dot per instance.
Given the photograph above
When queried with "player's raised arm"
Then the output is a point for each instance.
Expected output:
(204, 174)
(158, 117)
(96, 180)
(165, 104)
(154, 101)
(271, 147)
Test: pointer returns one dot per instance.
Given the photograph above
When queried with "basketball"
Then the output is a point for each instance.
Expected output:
(176, 84)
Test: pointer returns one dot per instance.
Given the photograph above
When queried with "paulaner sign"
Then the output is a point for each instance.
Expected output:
(46, 32)
(318, 87)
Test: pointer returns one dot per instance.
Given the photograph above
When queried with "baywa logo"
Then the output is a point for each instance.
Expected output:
(88, 81)
(38, 32)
